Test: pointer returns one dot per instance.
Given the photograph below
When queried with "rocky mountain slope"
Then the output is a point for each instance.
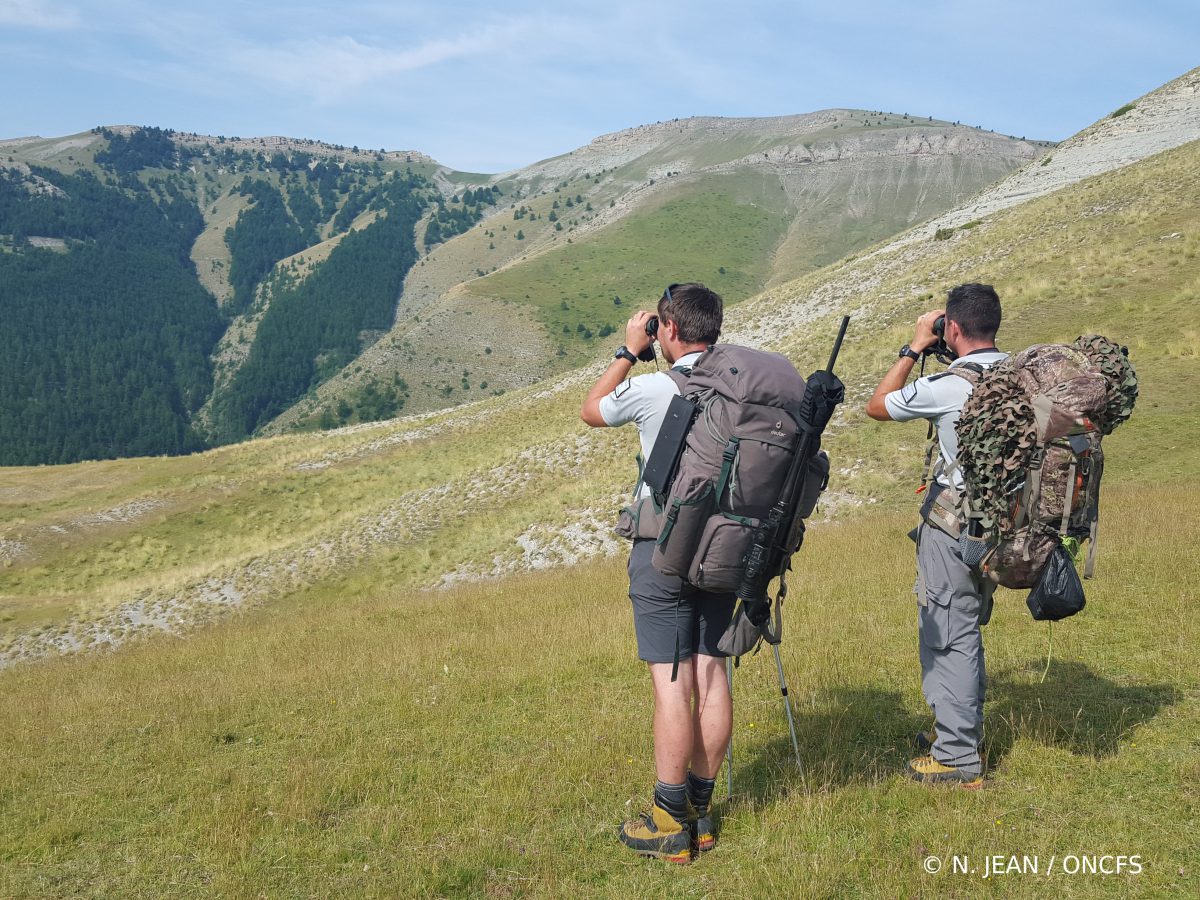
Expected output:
(1162, 119)
(739, 203)
(516, 276)
(97, 553)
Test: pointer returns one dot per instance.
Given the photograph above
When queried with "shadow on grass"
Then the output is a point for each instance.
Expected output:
(864, 735)
(1074, 709)
(846, 736)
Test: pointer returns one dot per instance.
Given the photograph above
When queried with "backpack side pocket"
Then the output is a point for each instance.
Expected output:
(683, 522)
(720, 559)
(642, 519)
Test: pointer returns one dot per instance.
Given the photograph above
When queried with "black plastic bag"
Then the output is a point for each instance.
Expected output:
(1059, 592)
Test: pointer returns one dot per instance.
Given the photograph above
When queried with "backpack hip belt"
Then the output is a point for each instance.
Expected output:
(942, 509)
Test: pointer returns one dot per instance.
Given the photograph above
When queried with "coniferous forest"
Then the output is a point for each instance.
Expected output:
(311, 329)
(108, 334)
(107, 338)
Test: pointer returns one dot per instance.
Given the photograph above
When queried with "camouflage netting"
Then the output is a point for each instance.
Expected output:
(997, 430)
(1113, 362)
(996, 434)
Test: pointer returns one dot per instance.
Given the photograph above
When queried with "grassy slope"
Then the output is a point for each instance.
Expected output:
(361, 740)
(1115, 255)
(732, 223)
(510, 772)
(248, 493)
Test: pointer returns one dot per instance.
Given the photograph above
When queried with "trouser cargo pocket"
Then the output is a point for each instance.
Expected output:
(934, 620)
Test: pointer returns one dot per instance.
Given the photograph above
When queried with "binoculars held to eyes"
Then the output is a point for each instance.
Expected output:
(647, 355)
(939, 349)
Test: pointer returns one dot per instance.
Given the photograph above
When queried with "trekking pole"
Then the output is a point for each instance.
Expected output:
(787, 707)
(774, 637)
(729, 749)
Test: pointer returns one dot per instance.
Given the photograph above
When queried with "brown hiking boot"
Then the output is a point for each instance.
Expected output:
(928, 770)
(658, 834)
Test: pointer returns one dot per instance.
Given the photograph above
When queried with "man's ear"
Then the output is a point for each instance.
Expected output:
(952, 332)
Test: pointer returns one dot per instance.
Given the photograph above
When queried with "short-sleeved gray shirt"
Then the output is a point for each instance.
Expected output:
(940, 398)
(643, 400)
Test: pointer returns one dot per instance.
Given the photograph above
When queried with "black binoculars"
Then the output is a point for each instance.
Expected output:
(939, 349)
(647, 355)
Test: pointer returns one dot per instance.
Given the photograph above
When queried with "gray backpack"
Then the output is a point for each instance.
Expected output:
(731, 467)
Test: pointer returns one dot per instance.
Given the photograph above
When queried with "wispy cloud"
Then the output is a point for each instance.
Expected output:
(37, 14)
(328, 67)
(493, 86)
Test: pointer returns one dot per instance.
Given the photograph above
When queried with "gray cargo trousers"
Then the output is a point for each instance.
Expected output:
(953, 602)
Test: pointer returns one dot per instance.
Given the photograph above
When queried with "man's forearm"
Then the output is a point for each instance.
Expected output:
(895, 379)
(617, 371)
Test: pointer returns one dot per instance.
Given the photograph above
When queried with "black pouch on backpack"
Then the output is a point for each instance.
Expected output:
(663, 463)
(1059, 592)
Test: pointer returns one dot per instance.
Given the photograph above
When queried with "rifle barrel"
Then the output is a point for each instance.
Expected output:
(837, 345)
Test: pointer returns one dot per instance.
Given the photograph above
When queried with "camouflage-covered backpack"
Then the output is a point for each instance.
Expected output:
(1029, 450)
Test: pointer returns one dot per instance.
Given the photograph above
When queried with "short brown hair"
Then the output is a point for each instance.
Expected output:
(696, 311)
(976, 309)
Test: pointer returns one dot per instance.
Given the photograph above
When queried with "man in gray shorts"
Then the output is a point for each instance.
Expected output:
(953, 599)
(693, 715)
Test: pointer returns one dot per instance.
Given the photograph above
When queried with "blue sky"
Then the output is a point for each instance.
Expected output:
(490, 86)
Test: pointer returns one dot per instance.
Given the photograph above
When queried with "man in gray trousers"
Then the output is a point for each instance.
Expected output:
(953, 599)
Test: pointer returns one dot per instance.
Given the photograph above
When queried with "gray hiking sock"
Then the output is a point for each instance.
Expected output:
(700, 791)
(672, 798)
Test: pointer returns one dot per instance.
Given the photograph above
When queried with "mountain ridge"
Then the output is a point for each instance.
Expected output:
(765, 199)
(650, 169)
(457, 494)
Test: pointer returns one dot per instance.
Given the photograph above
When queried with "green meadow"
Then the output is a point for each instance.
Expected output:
(354, 739)
(720, 232)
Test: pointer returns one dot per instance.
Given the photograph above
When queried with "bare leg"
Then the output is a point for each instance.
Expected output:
(673, 721)
(713, 716)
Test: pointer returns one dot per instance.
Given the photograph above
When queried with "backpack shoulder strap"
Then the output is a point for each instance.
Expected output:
(969, 371)
(680, 375)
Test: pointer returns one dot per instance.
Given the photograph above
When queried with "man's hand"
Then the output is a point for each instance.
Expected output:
(924, 336)
(636, 339)
(897, 375)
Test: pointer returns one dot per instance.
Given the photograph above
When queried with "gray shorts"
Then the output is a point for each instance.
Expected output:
(699, 617)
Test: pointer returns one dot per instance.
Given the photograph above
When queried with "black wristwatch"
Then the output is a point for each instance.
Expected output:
(908, 351)
(624, 353)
